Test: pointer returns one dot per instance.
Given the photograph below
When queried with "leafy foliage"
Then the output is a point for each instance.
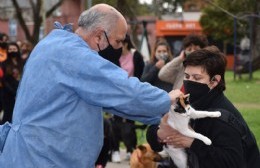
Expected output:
(218, 18)
(129, 8)
(162, 7)
(242, 93)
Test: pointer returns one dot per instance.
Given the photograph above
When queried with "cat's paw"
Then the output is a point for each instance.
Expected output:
(215, 114)
(218, 114)
(207, 141)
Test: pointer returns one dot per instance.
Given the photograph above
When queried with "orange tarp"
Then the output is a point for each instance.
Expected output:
(177, 28)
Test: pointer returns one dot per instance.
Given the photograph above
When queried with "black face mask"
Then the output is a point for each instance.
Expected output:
(14, 54)
(110, 53)
(195, 89)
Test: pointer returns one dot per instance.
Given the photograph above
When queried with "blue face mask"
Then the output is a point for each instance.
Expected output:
(195, 89)
(110, 54)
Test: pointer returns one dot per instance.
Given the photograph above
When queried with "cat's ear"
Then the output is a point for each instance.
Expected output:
(187, 99)
(187, 95)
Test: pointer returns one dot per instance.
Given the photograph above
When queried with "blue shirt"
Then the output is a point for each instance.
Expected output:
(57, 120)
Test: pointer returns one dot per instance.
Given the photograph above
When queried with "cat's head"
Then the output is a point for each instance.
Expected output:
(181, 103)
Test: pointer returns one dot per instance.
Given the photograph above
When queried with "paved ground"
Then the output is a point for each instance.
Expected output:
(123, 164)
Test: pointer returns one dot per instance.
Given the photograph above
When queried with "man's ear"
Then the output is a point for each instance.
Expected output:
(98, 34)
(95, 40)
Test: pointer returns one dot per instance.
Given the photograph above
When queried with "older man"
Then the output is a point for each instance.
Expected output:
(57, 120)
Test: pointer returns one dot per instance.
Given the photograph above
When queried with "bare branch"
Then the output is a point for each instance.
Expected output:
(37, 18)
(50, 11)
(33, 6)
(21, 20)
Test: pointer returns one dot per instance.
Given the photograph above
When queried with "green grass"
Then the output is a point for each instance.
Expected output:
(245, 95)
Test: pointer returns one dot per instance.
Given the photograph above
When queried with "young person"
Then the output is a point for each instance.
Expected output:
(160, 56)
(123, 129)
(173, 71)
(233, 144)
(12, 68)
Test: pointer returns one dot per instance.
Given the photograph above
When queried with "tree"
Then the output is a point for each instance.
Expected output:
(131, 9)
(218, 21)
(37, 17)
(218, 18)
(162, 7)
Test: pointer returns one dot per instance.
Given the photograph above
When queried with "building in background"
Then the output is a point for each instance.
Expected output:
(68, 12)
(175, 26)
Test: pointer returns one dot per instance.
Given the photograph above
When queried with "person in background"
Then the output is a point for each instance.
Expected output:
(233, 144)
(161, 54)
(173, 71)
(105, 153)
(4, 37)
(123, 129)
(26, 48)
(12, 68)
(3, 57)
(3, 47)
(67, 83)
(19, 43)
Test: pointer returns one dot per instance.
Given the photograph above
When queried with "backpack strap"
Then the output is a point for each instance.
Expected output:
(229, 118)
(233, 121)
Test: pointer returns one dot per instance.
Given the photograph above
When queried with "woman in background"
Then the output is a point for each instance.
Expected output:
(12, 68)
(123, 129)
(160, 56)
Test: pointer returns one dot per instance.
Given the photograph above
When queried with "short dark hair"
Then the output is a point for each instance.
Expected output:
(2, 35)
(129, 43)
(195, 39)
(212, 60)
(13, 44)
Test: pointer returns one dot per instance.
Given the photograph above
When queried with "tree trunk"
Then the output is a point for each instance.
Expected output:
(37, 18)
(256, 38)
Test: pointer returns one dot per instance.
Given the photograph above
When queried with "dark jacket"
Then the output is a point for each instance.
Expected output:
(138, 64)
(10, 86)
(150, 75)
(227, 146)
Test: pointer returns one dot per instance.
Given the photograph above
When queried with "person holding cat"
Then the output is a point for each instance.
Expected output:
(233, 144)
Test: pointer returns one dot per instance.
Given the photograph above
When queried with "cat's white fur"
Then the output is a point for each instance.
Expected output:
(180, 122)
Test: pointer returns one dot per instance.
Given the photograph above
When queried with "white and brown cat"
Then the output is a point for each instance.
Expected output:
(179, 118)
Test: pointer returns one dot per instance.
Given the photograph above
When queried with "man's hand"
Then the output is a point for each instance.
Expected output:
(182, 55)
(174, 94)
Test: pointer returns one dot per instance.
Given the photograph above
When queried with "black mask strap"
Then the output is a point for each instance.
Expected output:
(107, 38)
(98, 47)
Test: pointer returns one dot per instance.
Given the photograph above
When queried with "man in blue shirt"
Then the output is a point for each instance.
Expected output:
(66, 84)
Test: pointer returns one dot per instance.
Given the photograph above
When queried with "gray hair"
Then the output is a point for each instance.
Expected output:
(94, 18)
